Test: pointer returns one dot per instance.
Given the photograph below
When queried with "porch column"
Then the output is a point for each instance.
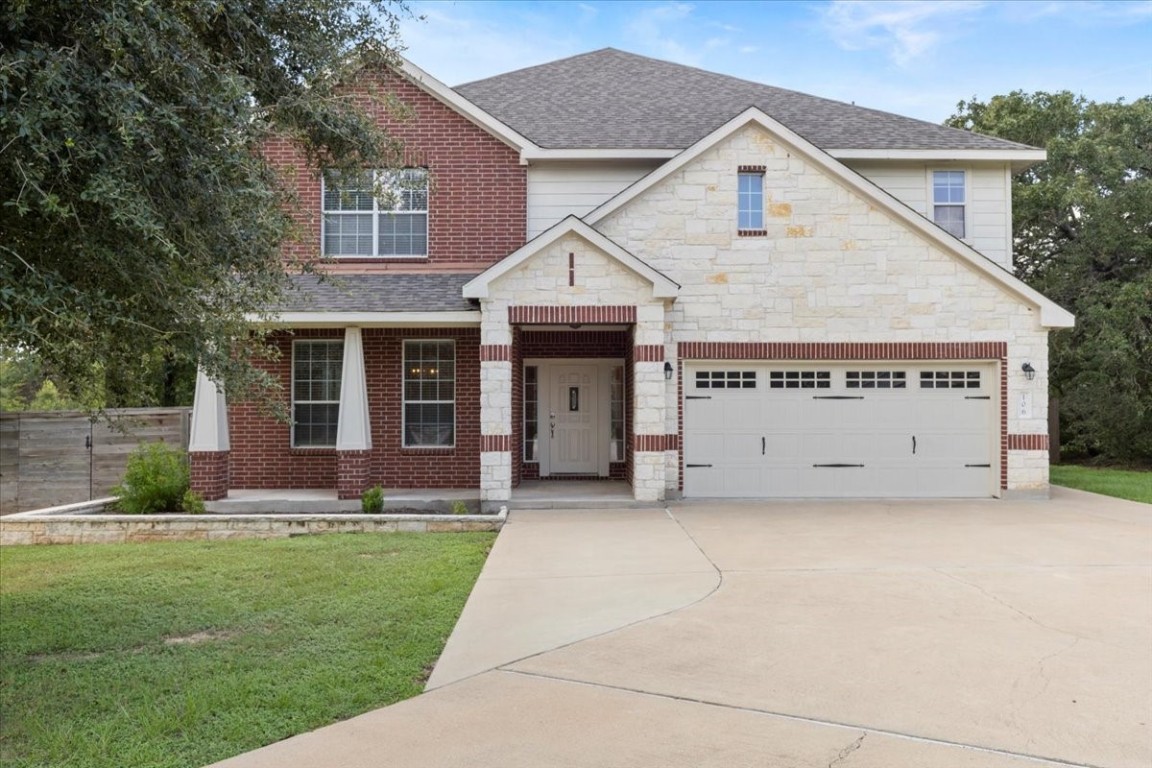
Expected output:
(650, 405)
(208, 444)
(495, 403)
(353, 427)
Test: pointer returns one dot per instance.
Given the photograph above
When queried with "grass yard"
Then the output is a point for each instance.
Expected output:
(182, 654)
(1121, 483)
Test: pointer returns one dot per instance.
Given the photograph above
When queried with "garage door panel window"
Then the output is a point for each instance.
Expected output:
(950, 379)
(875, 380)
(725, 379)
(799, 379)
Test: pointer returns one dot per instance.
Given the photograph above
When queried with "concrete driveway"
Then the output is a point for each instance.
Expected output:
(842, 635)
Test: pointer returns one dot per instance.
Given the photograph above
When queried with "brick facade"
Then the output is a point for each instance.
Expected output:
(209, 473)
(262, 455)
(477, 199)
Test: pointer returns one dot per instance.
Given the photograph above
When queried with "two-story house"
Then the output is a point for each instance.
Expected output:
(611, 266)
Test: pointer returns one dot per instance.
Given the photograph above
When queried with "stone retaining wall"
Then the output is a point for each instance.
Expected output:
(119, 529)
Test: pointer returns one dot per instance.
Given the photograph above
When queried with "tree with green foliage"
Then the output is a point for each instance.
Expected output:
(141, 221)
(1083, 227)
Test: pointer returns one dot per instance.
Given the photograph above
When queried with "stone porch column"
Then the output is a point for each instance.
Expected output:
(208, 445)
(353, 426)
(650, 405)
(495, 403)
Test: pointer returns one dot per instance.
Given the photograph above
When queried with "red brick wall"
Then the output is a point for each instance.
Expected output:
(262, 456)
(573, 343)
(209, 474)
(397, 467)
(477, 187)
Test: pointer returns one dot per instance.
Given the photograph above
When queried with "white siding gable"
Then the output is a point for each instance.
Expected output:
(557, 189)
(988, 188)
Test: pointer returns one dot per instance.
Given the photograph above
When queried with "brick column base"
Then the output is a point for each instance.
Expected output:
(210, 474)
(353, 470)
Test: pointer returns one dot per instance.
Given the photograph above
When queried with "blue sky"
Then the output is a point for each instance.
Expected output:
(914, 58)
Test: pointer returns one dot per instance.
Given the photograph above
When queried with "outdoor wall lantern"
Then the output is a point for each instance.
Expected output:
(667, 371)
(1029, 371)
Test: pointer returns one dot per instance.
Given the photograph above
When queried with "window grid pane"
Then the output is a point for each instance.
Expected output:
(750, 201)
(429, 394)
(948, 201)
(391, 218)
(317, 367)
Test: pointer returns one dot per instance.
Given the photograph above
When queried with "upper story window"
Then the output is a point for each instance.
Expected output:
(317, 367)
(949, 197)
(750, 200)
(376, 214)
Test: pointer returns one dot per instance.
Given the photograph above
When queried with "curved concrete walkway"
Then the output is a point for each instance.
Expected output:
(846, 634)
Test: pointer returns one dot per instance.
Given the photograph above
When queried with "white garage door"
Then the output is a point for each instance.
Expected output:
(839, 431)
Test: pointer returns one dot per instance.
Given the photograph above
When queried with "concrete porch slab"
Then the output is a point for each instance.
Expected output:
(576, 494)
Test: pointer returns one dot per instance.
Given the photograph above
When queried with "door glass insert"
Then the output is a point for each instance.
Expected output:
(531, 406)
(616, 440)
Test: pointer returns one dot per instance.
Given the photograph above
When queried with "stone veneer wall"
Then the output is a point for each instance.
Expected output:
(829, 266)
(120, 529)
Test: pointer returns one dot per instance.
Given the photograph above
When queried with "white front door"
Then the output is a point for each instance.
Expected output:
(573, 419)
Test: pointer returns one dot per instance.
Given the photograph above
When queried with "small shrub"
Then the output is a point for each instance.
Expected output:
(155, 480)
(372, 502)
(193, 503)
(459, 507)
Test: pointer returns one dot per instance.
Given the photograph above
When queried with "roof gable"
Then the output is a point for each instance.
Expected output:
(478, 287)
(1051, 314)
(612, 99)
(463, 106)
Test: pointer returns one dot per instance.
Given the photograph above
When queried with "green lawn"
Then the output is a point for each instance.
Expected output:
(181, 654)
(1122, 483)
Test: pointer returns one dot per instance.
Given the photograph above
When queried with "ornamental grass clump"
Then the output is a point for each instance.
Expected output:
(156, 480)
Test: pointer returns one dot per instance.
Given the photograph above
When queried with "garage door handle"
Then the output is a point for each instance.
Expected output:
(978, 397)
(698, 397)
(913, 445)
(837, 397)
(985, 466)
(695, 466)
(763, 445)
(838, 466)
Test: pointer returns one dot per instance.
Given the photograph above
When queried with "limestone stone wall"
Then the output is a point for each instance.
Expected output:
(119, 529)
(831, 266)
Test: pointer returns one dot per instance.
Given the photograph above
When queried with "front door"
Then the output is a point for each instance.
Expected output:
(573, 419)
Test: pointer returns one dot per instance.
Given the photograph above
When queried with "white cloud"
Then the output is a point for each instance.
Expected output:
(457, 46)
(907, 30)
(652, 29)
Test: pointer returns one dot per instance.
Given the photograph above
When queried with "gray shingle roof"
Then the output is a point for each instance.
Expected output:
(609, 99)
(378, 293)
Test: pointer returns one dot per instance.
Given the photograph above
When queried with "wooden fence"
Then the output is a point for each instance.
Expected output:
(62, 457)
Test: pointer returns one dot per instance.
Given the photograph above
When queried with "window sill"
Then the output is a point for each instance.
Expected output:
(373, 259)
(751, 233)
(312, 450)
(419, 450)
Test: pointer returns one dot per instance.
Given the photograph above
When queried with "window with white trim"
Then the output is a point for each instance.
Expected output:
(376, 214)
(429, 394)
(750, 201)
(317, 367)
(949, 197)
